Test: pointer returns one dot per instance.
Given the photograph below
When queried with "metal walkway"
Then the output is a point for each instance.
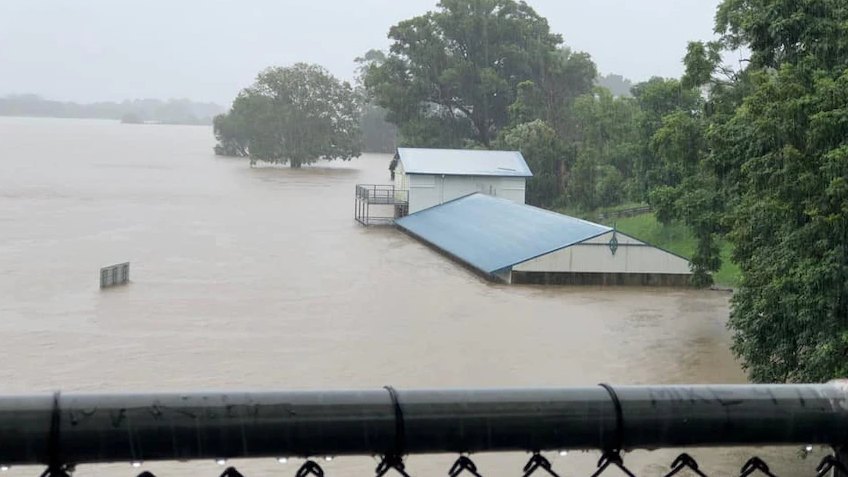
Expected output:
(380, 204)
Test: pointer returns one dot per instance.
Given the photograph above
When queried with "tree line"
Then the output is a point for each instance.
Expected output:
(173, 111)
(755, 154)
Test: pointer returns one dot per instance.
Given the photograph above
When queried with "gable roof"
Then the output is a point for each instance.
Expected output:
(491, 234)
(463, 162)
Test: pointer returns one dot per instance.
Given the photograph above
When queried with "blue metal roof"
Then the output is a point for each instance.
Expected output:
(464, 162)
(492, 234)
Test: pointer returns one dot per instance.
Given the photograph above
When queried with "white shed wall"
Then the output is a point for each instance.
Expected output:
(423, 192)
(594, 256)
(401, 179)
(426, 191)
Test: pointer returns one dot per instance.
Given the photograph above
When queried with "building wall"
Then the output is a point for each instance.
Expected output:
(595, 256)
(426, 191)
(599, 279)
(401, 179)
(423, 192)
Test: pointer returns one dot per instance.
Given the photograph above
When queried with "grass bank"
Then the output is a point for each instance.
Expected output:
(675, 238)
(678, 239)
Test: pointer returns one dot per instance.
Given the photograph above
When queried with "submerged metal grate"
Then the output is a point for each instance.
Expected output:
(115, 275)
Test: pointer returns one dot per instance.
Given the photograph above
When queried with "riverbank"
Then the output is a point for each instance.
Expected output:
(675, 238)
(678, 238)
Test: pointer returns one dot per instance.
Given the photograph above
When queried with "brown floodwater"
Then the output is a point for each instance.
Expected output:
(259, 279)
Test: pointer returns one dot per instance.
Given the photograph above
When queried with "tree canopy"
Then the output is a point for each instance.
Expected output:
(378, 135)
(762, 158)
(789, 140)
(617, 84)
(296, 115)
(452, 74)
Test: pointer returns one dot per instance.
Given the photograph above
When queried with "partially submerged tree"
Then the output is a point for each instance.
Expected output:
(296, 115)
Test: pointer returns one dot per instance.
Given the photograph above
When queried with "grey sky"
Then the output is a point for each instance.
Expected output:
(89, 50)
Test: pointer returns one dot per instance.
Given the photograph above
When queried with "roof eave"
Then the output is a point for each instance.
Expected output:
(481, 174)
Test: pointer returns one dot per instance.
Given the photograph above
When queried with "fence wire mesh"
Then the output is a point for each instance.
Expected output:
(536, 465)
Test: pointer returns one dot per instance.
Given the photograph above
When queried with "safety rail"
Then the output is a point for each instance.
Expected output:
(368, 195)
(65, 429)
(382, 194)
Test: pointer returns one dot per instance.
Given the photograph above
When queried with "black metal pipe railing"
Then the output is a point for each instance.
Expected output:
(76, 428)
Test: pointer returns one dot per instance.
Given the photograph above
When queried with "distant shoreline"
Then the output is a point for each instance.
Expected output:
(111, 120)
(136, 111)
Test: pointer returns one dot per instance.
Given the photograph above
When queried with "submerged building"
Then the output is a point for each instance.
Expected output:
(508, 241)
(470, 205)
(435, 176)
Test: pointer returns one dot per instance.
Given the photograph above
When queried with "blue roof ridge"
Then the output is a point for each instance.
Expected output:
(443, 203)
(553, 212)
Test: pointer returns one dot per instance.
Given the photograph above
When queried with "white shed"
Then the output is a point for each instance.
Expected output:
(436, 176)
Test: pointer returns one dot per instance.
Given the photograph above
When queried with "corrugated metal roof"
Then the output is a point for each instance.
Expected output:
(464, 162)
(492, 234)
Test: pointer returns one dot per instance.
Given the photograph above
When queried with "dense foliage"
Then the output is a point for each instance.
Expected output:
(294, 115)
(784, 152)
(764, 161)
(378, 134)
(452, 74)
(617, 84)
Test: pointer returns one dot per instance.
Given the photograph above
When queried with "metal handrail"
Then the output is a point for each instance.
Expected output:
(77, 428)
(382, 194)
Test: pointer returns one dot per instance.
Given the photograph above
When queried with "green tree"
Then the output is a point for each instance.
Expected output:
(656, 99)
(606, 139)
(790, 315)
(296, 115)
(780, 159)
(617, 84)
(378, 135)
(452, 74)
(232, 129)
(689, 168)
(551, 97)
(545, 154)
(778, 32)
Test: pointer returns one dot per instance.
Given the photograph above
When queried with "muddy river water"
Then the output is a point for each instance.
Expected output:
(259, 279)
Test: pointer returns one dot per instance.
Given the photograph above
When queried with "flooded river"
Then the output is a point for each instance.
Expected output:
(260, 279)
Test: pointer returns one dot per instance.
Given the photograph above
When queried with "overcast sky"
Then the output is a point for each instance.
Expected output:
(206, 50)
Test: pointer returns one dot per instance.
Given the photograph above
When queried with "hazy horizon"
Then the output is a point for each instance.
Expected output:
(100, 50)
